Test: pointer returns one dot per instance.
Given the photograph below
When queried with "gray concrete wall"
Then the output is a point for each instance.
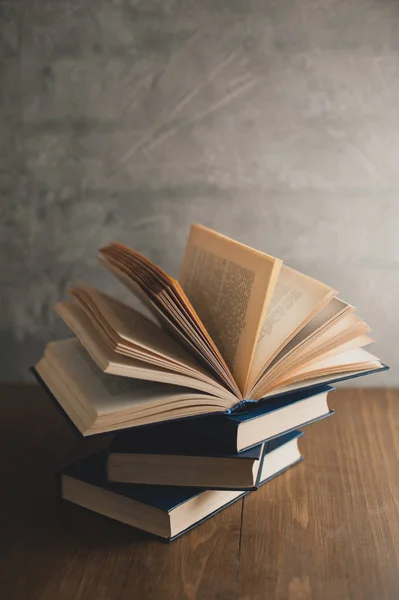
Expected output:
(275, 122)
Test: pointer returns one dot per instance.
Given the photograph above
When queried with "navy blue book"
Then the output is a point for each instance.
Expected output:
(165, 511)
(211, 436)
(269, 418)
(169, 455)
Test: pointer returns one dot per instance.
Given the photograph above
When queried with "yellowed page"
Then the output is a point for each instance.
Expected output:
(106, 393)
(313, 381)
(339, 332)
(111, 362)
(135, 328)
(350, 360)
(358, 342)
(315, 348)
(173, 310)
(356, 356)
(296, 299)
(336, 365)
(336, 309)
(84, 327)
(229, 286)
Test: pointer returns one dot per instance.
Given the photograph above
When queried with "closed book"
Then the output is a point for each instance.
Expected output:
(170, 456)
(165, 511)
(265, 420)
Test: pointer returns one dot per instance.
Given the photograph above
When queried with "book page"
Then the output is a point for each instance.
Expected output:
(356, 342)
(318, 380)
(341, 331)
(296, 299)
(108, 393)
(168, 302)
(356, 357)
(350, 360)
(105, 392)
(114, 363)
(338, 333)
(133, 327)
(229, 286)
(334, 310)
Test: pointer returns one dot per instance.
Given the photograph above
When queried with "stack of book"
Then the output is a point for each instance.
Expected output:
(205, 387)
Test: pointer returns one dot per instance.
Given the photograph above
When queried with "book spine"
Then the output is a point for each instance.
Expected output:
(222, 433)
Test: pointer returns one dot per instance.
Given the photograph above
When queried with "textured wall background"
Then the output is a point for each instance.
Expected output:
(276, 122)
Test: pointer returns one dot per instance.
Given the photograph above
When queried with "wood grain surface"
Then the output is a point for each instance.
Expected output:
(328, 529)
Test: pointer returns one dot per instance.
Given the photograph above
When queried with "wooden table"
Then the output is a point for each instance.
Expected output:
(328, 529)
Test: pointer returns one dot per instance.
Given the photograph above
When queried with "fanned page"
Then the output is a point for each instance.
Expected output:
(170, 305)
(335, 310)
(330, 314)
(356, 358)
(295, 301)
(352, 361)
(311, 382)
(230, 286)
(128, 328)
(145, 352)
(331, 337)
(344, 330)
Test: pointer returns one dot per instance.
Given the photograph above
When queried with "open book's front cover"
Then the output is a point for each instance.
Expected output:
(166, 498)
(70, 424)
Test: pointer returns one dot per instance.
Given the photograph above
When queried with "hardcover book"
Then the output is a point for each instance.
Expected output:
(239, 326)
(165, 511)
(169, 456)
(240, 430)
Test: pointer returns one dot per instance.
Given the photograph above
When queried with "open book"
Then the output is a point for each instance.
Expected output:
(239, 324)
